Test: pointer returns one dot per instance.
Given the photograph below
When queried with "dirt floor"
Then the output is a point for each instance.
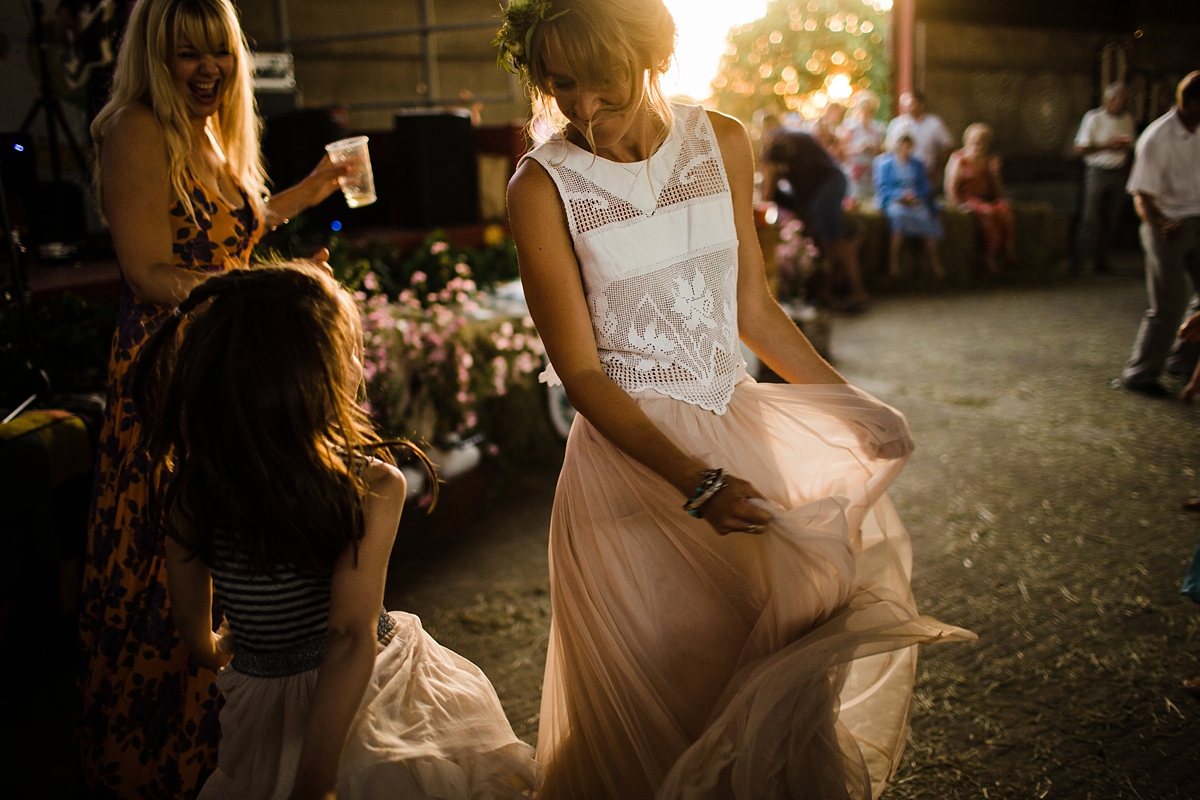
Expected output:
(1044, 512)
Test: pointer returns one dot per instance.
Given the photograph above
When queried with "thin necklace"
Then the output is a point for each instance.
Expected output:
(634, 172)
(641, 165)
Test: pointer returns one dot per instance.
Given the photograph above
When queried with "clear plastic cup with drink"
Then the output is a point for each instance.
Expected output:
(358, 186)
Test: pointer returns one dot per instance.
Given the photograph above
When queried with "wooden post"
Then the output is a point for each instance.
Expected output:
(903, 30)
(283, 27)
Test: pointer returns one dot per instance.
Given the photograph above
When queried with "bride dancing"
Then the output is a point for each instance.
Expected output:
(732, 614)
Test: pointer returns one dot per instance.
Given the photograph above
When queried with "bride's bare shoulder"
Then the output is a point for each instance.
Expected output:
(533, 196)
(734, 142)
(530, 181)
(725, 125)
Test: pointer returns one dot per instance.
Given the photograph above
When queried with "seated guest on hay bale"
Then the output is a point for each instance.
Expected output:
(861, 137)
(903, 193)
(931, 140)
(973, 184)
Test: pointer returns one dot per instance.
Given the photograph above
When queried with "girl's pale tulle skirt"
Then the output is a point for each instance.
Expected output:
(683, 664)
(430, 726)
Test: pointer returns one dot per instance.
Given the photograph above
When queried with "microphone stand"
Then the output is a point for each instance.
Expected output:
(40, 381)
(47, 101)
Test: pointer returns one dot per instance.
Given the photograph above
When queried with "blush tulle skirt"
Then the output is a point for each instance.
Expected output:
(683, 664)
(430, 726)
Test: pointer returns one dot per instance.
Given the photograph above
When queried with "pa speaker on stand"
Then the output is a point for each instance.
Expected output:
(436, 169)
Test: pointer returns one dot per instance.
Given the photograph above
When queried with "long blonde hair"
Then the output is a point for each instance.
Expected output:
(603, 40)
(142, 76)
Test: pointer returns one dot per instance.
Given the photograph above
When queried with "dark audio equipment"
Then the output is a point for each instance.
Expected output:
(436, 169)
(18, 165)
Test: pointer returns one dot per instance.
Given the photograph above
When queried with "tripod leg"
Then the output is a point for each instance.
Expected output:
(55, 108)
(52, 134)
(33, 110)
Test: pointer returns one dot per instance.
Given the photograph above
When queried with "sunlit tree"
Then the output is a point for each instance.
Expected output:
(804, 54)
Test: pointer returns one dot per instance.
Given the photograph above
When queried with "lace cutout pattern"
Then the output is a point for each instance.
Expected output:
(670, 326)
(697, 173)
(589, 206)
(673, 329)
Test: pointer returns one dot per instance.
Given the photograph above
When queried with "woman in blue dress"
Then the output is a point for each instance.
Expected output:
(903, 193)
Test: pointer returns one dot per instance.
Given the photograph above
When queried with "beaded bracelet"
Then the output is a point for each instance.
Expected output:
(712, 481)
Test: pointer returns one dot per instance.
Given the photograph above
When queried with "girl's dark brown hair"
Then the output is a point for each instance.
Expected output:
(250, 420)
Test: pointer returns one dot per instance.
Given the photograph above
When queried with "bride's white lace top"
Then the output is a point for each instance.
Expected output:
(657, 248)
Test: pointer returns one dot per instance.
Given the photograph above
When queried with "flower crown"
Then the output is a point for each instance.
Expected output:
(521, 18)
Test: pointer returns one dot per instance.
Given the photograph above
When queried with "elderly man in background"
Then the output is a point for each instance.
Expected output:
(931, 140)
(1105, 140)
(1165, 184)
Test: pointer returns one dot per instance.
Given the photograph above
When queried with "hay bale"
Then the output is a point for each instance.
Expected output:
(955, 250)
(1041, 244)
(518, 423)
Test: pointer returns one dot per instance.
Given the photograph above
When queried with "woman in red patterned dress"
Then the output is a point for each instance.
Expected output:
(973, 184)
(181, 182)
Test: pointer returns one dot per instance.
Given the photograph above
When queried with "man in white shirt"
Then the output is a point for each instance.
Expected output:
(931, 140)
(1105, 140)
(1165, 184)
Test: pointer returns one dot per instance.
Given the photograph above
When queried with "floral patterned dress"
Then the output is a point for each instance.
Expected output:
(148, 726)
(974, 189)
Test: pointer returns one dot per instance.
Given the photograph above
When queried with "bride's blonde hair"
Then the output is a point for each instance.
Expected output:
(602, 41)
(142, 76)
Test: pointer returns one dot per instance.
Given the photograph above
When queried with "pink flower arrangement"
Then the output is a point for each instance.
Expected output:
(430, 367)
(795, 256)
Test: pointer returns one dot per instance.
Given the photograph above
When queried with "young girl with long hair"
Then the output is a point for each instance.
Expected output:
(278, 498)
(732, 616)
(181, 183)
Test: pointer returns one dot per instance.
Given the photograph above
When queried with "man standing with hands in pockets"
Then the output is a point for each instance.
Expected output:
(1165, 184)
(1105, 140)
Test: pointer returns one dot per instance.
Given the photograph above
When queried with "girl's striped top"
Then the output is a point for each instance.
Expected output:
(268, 613)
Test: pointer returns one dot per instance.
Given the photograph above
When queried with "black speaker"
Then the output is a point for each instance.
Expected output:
(275, 104)
(293, 143)
(18, 165)
(436, 169)
(58, 213)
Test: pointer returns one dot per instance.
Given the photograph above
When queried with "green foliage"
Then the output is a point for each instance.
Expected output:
(793, 55)
(434, 353)
(72, 339)
(436, 350)
(432, 267)
(520, 18)
(437, 261)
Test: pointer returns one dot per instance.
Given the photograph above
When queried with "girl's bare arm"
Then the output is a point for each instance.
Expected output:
(189, 586)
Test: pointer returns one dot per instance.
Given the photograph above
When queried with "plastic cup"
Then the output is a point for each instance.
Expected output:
(358, 187)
